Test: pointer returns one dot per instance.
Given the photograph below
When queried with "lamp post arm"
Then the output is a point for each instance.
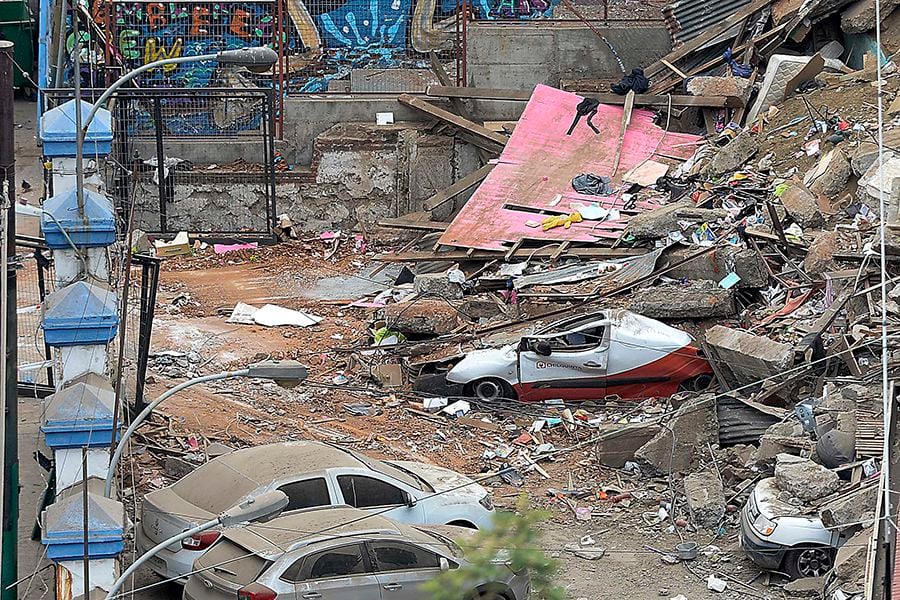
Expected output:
(131, 75)
(138, 420)
(117, 585)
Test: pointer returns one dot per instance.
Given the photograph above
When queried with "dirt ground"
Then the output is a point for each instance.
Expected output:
(195, 297)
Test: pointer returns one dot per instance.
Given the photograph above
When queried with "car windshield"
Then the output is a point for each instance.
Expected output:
(453, 546)
(390, 471)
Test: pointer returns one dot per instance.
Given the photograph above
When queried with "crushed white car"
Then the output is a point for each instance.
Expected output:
(590, 357)
(777, 538)
(311, 474)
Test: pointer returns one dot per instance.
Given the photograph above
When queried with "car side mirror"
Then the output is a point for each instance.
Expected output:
(444, 563)
(542, 348)
(408, 499)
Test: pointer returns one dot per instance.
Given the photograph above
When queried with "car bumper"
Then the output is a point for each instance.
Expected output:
(762, 552)
(167, 563)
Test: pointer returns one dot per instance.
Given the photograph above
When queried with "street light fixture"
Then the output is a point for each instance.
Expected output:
(260, 508)
(286, 373)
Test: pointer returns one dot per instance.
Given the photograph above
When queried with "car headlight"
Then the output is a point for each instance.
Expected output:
(487, 502)
(764, 526)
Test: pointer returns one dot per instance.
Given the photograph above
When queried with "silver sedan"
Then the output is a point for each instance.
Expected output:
(338, 554)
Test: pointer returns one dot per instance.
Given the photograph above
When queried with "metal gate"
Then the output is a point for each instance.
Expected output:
(200, 160)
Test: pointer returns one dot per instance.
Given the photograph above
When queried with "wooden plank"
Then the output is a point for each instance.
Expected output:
(673, 68)
(492, 139)
(709, 35)
(456, 255)
(411, 224)
(440, 91)
(626, 121)
(458, 187)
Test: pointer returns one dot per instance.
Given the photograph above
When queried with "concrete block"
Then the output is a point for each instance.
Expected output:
(850, 562)
(746, 262)
(858, 507)
(615, 449)
(436, 284)
(779, 72)
(820, 256)
(422, 317)
(802, 206)
(747, 358)
(733, 155)
(859, 17)
(830, 175)
(694, 425)
(705, 499)
(659, 222)
(697, 300)
(803, 478)
(717, 86)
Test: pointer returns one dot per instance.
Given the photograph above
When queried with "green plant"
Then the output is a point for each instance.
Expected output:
(513, 543)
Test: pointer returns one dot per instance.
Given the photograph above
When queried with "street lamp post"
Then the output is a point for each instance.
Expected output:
(286, 373)
(259, 58)
(259, 508)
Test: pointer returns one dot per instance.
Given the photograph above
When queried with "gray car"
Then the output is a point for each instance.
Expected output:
(338, 553)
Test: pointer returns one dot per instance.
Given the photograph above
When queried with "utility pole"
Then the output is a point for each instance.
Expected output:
(8, 558)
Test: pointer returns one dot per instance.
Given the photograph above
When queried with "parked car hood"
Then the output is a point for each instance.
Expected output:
(489, 362)
(771, 506)
(444, 480)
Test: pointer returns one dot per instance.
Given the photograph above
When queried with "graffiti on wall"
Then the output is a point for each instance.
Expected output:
(143, 32)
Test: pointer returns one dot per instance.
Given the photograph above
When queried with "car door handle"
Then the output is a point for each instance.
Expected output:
(593, 365)
(392, 586)
(312, 595)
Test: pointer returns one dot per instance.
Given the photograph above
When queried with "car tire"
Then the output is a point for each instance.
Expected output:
(696, 384)
(809, 561)
(490, 389)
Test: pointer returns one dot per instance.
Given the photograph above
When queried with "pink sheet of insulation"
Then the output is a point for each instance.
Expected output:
(538, 165)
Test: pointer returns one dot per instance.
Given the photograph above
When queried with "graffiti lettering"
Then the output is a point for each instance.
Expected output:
(156, 16)
(128, 44)
(239, 23)
(200, 22)
(155, 50)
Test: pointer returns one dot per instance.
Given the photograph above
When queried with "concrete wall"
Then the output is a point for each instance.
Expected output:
(521, 55)
(360, 173)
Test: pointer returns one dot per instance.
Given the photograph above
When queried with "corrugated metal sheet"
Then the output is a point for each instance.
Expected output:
(741, 422)
(686, 19)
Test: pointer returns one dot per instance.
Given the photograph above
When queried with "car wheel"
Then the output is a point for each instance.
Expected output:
(812, 561)
(491, 389)
(697, 384)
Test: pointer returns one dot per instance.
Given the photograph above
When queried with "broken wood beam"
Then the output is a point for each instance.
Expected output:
(402, 223)
(457, 187)
(655, 100)
(457, 255)
(477, 134)
(707, 36)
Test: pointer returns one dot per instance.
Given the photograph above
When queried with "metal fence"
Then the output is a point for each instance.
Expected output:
(34, 281)
(227, 196)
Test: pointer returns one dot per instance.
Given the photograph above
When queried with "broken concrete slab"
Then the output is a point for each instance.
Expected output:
(621, 442)
(733, 155)
(866, 153)
(437, 284)
(659, 222)
(802, 206)
(886, 181)
(717, 86)
(693, 425)
(850, 562)
(820, 256)
(859, 17)
(746, 358)
(749, 265)
(858, 507)
(705, 499)
(780, 438)
(427, 316)
(808, 587)
(803, 478)
(696, 300)
(830, 175)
